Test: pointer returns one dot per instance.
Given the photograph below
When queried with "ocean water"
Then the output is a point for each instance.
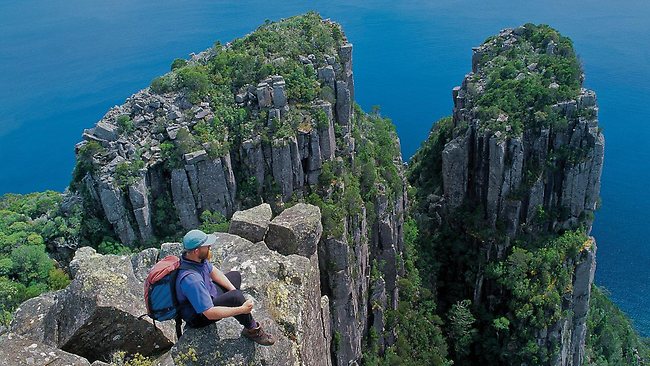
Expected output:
(63, 64)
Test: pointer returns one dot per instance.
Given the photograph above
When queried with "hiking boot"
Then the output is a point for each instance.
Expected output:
(258, 335)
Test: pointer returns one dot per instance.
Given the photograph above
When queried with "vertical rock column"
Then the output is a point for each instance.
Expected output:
(138, 195)
(297, 230)
(113, 203)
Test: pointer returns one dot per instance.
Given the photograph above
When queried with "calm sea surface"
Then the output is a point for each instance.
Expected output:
(63, 64)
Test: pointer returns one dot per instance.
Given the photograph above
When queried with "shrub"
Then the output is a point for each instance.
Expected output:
(212, 222)
(162, 84)
(126, 172)
(125, 124)
(178, 63)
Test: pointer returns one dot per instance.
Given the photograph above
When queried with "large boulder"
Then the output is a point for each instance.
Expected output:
(99, 311)
(286, 294)
(251, 224)
(296, 230)
(17, 350)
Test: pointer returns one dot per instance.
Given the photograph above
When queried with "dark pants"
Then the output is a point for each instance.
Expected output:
(232, 298)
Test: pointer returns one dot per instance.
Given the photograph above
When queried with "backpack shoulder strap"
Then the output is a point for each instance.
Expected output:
(183, 271)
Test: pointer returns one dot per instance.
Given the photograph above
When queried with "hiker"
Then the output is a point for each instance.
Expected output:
(206, 294)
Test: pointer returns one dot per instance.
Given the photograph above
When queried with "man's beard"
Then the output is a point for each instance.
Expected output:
(207, 255)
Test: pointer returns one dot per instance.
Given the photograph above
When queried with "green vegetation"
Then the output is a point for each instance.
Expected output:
(28, 224)
(214, 222)
(125, 124)
(534, 279)
(420, 340)
(611, 337)
(178, 63)
(85, 163)
(273, 49)
(127, 173)
(164, 219)
(121, 358)
(518, 90)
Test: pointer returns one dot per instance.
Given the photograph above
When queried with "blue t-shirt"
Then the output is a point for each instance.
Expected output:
(197, 288)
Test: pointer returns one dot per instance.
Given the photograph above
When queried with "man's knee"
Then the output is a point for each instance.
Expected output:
(235, 278)
(230, 298)
(238, 297)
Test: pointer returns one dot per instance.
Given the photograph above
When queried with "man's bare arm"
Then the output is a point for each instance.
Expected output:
(221, 279)
(220, 312)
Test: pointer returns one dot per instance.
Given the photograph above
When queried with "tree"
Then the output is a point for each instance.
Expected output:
(31, 265)
(461, 332)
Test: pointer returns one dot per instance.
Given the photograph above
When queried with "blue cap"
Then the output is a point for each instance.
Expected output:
(197, 238)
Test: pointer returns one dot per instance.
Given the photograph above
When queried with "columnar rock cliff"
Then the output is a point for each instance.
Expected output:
(515, 165)
(176, 152)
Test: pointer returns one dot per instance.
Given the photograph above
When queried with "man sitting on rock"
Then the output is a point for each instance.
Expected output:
(206, 295)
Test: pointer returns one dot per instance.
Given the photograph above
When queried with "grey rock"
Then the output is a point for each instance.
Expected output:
(139, 198)
(174, 114)
(264, 99)
(279, 94)
(345, 54)
(285, 290)
(283, 166)
(106, 131)
(98, 312)
(550, 48)
(495, 176)
(343, 104)
(18, 350)
(252, 158)
(142, 263)
(327, 76)
(327, 139)
(251, 224)
(314, 159)
(296, 230)
(114, 208)
(587, 99)
(378, 304)
(172, 131)
(454, 171)
(202, 114)
(184, 200)
(195, 156)
(273, 117)
(213, 177)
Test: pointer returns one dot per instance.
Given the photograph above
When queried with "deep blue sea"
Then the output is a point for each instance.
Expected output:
(63, 64)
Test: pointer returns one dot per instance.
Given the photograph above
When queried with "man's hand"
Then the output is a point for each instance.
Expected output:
(247, 307)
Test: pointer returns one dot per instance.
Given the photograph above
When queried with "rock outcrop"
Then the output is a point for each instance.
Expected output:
(18, 350)
(98, 313)
(251, 224)
(533, 173)
(296, 230)
(153, 164)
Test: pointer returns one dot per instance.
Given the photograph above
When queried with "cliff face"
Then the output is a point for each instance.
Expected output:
(518, 163)
(170, 154)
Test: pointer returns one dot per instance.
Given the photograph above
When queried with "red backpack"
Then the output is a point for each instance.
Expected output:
(160, 291)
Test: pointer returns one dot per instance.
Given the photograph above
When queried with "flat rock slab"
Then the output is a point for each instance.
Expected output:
(296, 230)
(16, 350)
(251, 224)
